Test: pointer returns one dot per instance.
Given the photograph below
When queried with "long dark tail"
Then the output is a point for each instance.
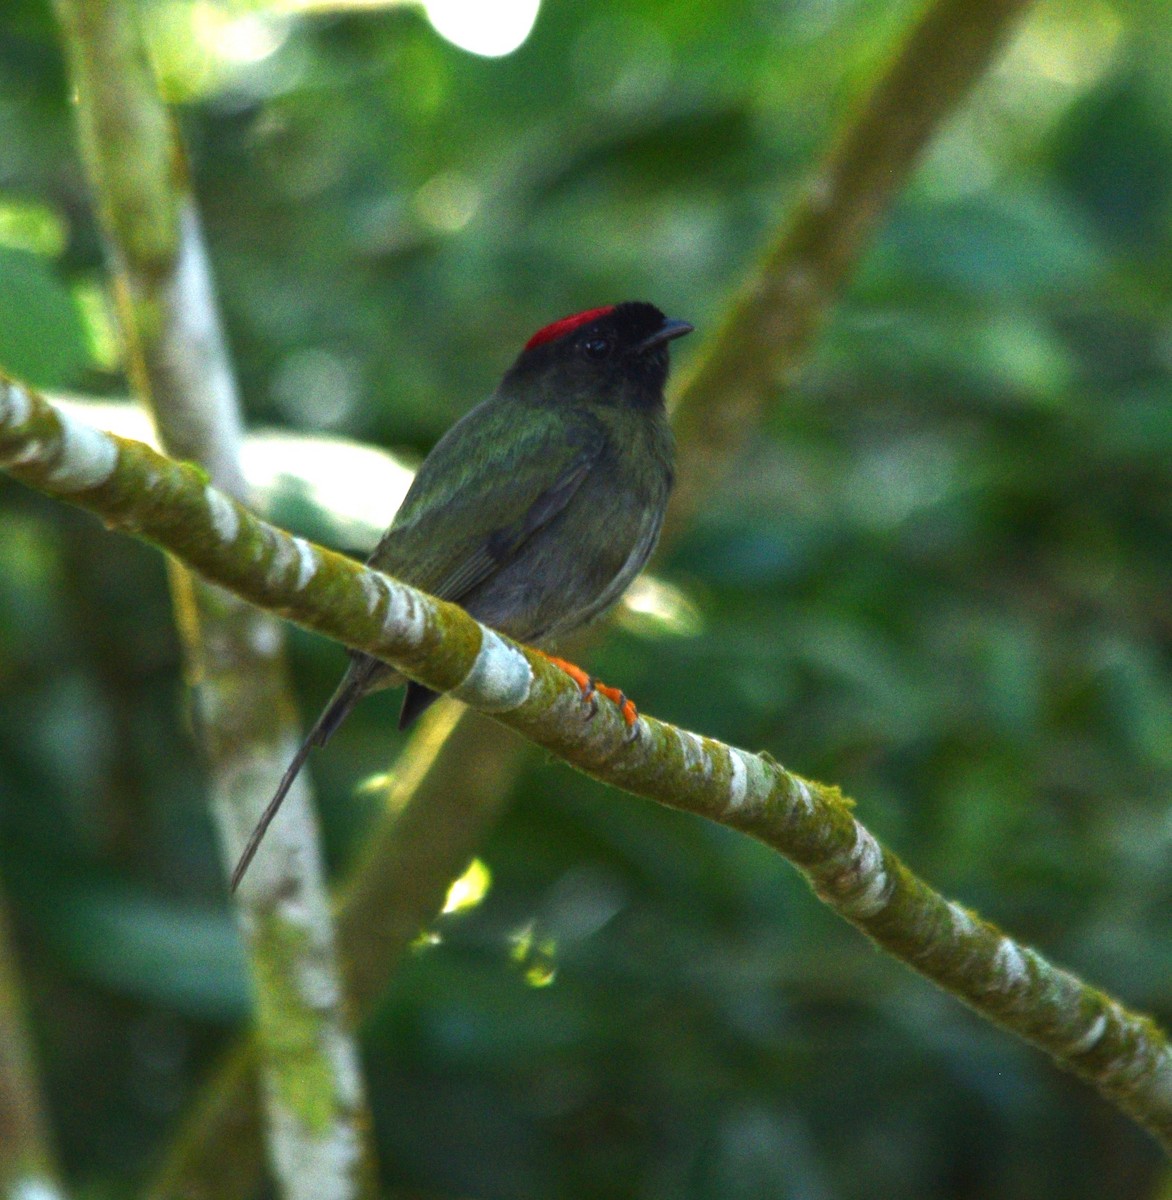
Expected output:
(355, 684)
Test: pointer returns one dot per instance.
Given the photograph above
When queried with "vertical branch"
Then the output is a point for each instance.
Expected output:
(437, 814)
(26, 1159)
(316, 1111)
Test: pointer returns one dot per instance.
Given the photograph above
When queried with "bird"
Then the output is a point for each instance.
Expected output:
(536, 510)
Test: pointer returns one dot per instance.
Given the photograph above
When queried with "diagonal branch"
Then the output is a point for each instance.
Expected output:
(762, 341)
(772, 321)
(131, 488)
(317, 1123)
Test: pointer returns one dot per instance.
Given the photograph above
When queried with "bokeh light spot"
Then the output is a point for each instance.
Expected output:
(491, 28)
(470, 889)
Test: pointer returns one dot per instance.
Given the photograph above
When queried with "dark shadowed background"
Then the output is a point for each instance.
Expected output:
(941, 578)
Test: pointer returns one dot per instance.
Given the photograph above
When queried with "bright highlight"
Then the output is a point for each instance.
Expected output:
(491, 28)
(468, 891)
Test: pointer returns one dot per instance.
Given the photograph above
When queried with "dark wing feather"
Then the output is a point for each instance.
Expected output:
(495, 479)
(503, 543)
(492, 481)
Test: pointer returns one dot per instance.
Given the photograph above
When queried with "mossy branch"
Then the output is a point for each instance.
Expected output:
(771, 322)
(135, 490)
(761, 342)
(317, 1121)
(432, 819)
(176, 353)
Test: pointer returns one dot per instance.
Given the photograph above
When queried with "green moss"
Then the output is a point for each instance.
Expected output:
(290, 1026)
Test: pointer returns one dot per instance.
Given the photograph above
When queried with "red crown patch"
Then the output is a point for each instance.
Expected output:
(550, 333)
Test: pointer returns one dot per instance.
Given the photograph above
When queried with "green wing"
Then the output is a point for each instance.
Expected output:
(492, 481)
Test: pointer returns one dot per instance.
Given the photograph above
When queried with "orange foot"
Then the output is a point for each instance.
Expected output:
(591, 689)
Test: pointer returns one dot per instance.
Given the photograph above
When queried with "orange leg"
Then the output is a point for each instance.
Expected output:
(590, 687)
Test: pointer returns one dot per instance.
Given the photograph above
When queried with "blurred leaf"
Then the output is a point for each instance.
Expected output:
(180, 957)
(41, 335)
(939, 577)
(1115, 156)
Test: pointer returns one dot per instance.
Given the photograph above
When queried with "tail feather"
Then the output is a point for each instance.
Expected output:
(416, 699)
(355, 684)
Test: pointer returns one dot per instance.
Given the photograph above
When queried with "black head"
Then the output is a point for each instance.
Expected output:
(614, 355)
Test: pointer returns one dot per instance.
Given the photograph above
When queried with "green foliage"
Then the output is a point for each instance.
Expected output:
(939, 578)
(41, 336)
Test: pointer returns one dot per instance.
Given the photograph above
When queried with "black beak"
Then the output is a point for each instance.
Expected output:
(665, 333)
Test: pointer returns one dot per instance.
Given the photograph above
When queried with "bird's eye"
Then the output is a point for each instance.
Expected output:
(596, 348)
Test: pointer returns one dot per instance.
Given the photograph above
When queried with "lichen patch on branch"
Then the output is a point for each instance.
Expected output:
(748, 785)
(694, 752)
(856, 878)
(371, 591)
(499, 679)
(405, 617)
(1091, 1038)
(738, 780)
(86, 458)
(962, 923)
(222, 511)
(307, 562)
(1010, 964)
(810, 823)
